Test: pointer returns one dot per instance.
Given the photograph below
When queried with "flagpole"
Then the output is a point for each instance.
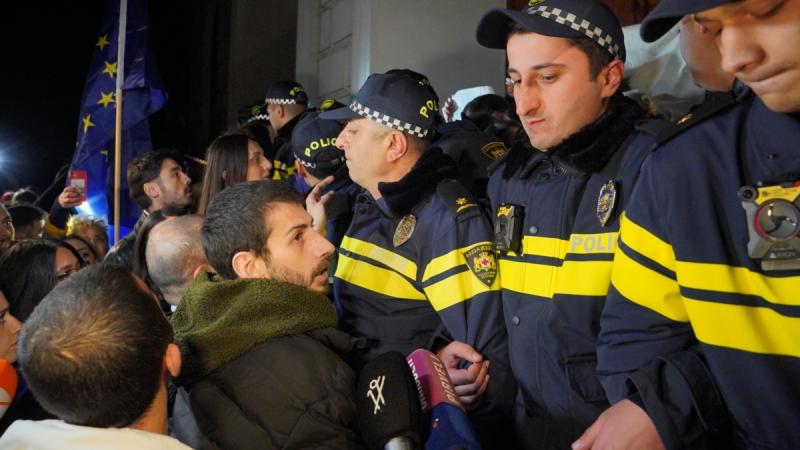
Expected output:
(123, 19)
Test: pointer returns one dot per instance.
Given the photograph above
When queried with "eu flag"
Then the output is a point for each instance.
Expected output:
(143, 94)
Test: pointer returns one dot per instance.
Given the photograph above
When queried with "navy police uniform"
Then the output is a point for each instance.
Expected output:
(556, 221)
(416, 267)
(695, 330)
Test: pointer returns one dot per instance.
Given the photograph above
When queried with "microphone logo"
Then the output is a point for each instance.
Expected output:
(375, 393)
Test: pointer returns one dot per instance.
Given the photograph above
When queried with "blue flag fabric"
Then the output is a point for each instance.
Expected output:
(143, 94)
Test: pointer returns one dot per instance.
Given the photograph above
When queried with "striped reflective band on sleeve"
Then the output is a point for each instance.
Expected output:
(643, 272)
(752, 329)
(451, 280)
(376, 279)
(386, 257)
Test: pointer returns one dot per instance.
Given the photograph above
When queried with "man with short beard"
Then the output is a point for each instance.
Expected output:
(258, 338)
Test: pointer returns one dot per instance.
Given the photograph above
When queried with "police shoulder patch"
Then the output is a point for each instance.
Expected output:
(494, 150)
(456, 197)
(482, 261)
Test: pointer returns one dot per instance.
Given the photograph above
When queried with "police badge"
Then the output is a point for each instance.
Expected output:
(606, 201)
(404, 230)
(482, 262)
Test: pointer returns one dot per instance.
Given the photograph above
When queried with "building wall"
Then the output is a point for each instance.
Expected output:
(340, 42)
(262, 50)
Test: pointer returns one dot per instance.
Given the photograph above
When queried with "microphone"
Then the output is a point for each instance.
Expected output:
(388, 404)
(450, 427)
(8, 385)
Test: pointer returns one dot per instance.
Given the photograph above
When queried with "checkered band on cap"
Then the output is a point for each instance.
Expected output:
(391, 122)
(281, 101)
(258, 117)
(593, 32)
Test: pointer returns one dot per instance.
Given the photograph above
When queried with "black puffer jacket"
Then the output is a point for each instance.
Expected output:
(261, 369)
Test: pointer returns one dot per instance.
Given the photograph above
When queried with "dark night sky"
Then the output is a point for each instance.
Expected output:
(45, 53)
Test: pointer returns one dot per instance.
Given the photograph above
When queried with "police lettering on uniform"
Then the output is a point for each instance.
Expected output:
(557, 196)
(416, 267)
(700, 330)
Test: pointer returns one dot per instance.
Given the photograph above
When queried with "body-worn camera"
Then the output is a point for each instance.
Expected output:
(508, 228)
(773, 221)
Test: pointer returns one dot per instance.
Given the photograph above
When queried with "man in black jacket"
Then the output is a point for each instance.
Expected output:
(155, 180)
(259, 342)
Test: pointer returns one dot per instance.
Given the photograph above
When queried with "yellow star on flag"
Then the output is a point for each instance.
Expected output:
(102, 41)
(87, 122)
(111, 69)
(461, 201)
(106, 99)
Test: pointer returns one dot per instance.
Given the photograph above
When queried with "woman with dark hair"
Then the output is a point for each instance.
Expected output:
(29, 270)
(32, 268)
(231, 159)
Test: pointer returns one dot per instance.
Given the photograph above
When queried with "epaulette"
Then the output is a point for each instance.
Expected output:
(665, 131)
(457, 198)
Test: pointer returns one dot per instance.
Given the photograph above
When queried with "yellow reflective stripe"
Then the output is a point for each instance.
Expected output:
(723, 278)
(589, 278)
(376, 279)
(648, 288)
(646, 243)
(381, 255)
(456, 289)
(443, 263)
(545, 246)
(748, 328)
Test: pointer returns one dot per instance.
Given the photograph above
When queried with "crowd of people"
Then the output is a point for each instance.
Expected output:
(591, 275)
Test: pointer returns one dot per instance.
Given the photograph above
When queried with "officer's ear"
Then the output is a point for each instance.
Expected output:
(397, 145)
(610, 78)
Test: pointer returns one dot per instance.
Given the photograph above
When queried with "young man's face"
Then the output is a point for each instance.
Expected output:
(553, 89)
(758, 41)
(363, 143)
(174, 184)
(297, 254)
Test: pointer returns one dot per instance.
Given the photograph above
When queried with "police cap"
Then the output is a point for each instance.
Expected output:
(286, 92)
(393, 100)
(669, 12)
(558, 18)
(314, 144)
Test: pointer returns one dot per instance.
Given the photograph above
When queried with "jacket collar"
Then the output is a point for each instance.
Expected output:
(219, 320)
(587, 150)
(431, 168)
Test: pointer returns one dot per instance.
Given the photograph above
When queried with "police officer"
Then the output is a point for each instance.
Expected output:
(472, 149)
(286, 102)
(557, 198)
(700, 327)
(316, 159)
(416, 267)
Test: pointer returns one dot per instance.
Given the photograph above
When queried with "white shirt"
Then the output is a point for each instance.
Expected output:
(59, 435)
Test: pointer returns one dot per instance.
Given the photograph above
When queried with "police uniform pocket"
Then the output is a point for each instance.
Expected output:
(581, 371)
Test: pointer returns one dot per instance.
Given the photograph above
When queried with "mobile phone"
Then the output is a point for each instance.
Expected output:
(78, 179)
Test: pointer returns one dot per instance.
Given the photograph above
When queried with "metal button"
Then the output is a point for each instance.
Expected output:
(533, 229)
(515, 320)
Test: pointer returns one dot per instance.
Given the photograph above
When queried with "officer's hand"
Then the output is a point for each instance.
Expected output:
(471, 383)
(624, 425)
(70, 197)
(316, 202)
